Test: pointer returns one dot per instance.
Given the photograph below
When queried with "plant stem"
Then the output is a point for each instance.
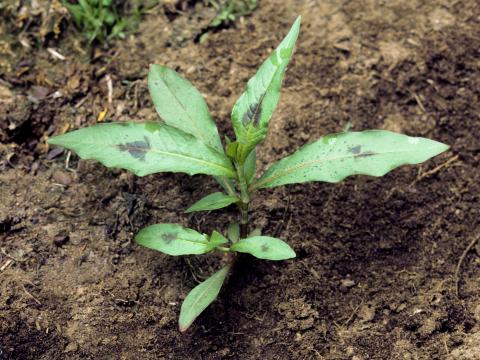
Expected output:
(244, 201)
(243, 220)
(244, 195)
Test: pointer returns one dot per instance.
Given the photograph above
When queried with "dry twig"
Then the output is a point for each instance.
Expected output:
(30, 295)
(435, 170)
(6, 265)
(10, 256)
(462, 258)
(110, 88)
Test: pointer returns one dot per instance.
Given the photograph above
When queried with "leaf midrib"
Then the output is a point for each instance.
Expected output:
(229, 171)
(192, 122)
(226, 199)
(204, 291)
(302, 165)
(264, 93)
(229, 200)
(205, 242)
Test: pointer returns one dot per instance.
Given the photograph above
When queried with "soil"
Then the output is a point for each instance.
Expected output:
(375, 273)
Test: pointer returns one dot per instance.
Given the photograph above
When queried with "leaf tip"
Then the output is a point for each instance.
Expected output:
(182, 327)
(56, 140)
(439, 148)
(137, 238)
(445, 147)
(296, 24)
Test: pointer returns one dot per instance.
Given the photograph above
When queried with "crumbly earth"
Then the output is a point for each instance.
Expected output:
(374, 276)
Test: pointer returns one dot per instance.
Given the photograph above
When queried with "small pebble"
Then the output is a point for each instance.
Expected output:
(71, 347)
(366, 313)
(60, 240)
(348, 283)
(38, 93)
(62, 177)
(52, 154)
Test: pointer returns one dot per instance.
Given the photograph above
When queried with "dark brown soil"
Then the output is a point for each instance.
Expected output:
(375, 273)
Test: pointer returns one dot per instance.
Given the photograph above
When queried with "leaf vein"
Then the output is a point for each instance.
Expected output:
(306, 164)
(212, 164)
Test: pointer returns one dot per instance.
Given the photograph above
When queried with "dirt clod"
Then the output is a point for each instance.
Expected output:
(62, 177)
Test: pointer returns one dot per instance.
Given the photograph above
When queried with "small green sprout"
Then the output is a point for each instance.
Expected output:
(230, 10)
(187, 140)
(104, 20)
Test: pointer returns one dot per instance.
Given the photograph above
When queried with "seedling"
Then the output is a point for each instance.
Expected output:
(230, 10)
(104, 20)
(187, 140)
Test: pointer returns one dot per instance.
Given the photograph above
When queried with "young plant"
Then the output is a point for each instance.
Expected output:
(103, 20)
(230, 10)
(186, 140)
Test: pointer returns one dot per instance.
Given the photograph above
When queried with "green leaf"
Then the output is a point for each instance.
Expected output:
(145, 149)
(226, 184)
(250, 166)
(76, 11)
(334, 157)
(231, 150)
(253, 110)
(213, 201)
(86, 6)
(264, 247)
(180, 104)
(216, 239)
(109, 17)
(173, 239)
(233, 232)
(200, 297)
